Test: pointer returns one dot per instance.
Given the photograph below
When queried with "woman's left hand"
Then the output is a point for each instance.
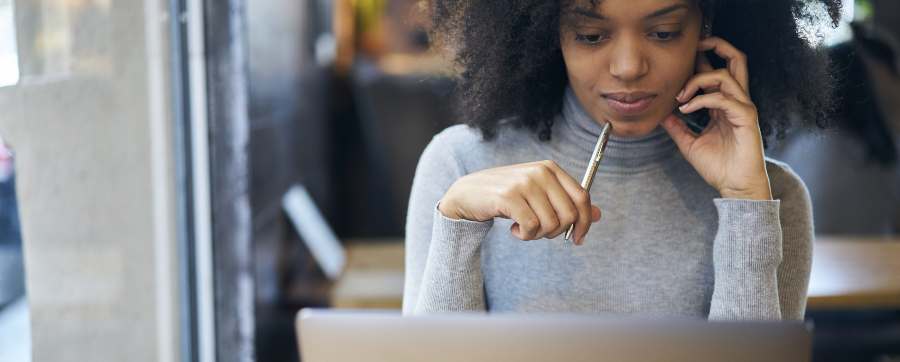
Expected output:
(728, 154)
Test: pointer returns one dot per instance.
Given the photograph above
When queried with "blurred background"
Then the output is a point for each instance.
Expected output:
(178, 178)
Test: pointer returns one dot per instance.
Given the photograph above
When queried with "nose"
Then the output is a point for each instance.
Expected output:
(627, 62)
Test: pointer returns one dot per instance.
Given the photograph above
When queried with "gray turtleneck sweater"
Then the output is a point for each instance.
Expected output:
(667, 245)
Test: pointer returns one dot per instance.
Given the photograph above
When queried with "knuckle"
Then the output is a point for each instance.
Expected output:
(541, 174)
(751, 108)
(534, 173)
(551, 165)
(522, 184)
(568, 217)
(582, 197)
(551, 226)
(543, 170)
(509, 191)
(530, 224)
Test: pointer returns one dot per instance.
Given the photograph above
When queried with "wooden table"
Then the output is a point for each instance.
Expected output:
(373, 277)
(847, 273)
(855, 273)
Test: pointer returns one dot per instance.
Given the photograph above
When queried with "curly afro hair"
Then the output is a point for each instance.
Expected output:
(511, 65)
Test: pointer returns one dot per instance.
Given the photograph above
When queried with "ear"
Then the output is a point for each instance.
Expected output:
(706, 28)
(706, 20)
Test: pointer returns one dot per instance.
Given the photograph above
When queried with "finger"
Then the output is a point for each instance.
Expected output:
(565, 209)
(718, 101)
(540, 204)
(736, 59)
(716, 80)
(526, 224)
(579, 197)
(680, 133)
(595, 213)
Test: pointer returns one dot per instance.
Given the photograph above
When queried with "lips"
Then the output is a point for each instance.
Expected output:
(630, 103)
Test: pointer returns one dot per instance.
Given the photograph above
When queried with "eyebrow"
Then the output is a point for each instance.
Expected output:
(588, 13)
(666, 10)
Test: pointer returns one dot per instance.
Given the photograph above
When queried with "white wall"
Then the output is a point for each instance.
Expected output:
(90, 124)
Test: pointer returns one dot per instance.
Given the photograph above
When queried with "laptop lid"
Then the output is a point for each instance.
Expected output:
(354, 335)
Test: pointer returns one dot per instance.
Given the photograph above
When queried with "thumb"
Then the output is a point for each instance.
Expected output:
(680, 133)
(595, 213)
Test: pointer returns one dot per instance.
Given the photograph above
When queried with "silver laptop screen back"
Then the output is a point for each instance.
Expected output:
(343, 335)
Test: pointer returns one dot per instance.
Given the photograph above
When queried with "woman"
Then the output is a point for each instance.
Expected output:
(693, 224)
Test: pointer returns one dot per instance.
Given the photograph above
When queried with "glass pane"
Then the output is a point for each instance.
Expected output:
(15, 335)
(89, 118)
(9, 64)
(62, 38)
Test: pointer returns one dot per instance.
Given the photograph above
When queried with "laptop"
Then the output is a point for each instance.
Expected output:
(365, 335)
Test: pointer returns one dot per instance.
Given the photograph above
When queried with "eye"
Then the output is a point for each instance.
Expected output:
(665, 35)
(590, 39)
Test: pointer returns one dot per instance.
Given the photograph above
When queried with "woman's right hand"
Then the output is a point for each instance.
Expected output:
(540, 197)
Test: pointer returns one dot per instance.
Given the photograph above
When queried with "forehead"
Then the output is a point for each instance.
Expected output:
(624, 9)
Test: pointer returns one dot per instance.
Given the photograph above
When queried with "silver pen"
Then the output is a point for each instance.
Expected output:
(596, 156)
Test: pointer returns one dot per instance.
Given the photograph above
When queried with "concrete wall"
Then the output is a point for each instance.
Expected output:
(90, 125)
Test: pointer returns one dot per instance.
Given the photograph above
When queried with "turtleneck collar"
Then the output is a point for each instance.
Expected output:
(575, 133)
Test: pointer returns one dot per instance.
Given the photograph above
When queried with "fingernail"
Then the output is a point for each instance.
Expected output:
(682, 107)
(680, 94)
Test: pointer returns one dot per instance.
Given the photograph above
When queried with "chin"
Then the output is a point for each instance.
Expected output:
(632, 126)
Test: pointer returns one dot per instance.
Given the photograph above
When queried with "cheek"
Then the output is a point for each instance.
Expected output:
(582, 65)
(579, 67)
(671, 73)
(675, 71)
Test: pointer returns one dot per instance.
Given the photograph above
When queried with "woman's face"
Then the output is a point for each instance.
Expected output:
(627, 59)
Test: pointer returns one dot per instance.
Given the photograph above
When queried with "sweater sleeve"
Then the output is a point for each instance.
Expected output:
(443, 256)
(762, 253)
(797, 246)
